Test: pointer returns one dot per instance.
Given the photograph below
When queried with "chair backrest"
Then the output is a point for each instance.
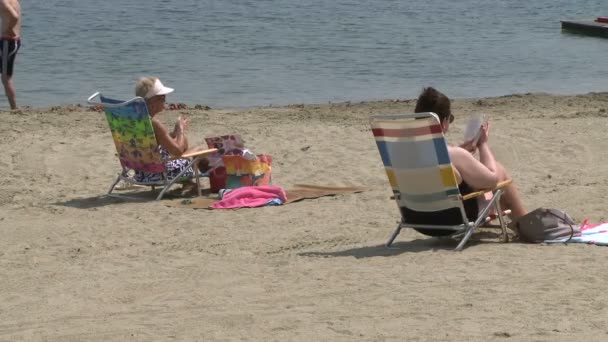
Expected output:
(133, 133)
(416, 159)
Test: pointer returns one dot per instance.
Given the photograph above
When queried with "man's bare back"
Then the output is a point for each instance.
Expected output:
(10, 12)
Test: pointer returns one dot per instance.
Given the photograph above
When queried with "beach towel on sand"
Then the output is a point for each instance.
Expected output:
(250, 197)
(298, 193)
(596, 234)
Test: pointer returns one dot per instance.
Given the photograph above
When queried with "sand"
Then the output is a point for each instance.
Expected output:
(77, 266)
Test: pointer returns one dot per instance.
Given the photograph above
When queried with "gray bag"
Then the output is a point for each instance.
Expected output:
(546, 224)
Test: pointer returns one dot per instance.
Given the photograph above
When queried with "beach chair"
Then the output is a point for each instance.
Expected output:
(418, 166)
(136, 144)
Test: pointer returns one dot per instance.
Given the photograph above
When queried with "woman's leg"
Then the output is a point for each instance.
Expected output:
(203, 165)
(510, 199)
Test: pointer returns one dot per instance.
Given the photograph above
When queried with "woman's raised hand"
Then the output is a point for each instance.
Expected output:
(182, 122)
(485, 134)
(468, 145)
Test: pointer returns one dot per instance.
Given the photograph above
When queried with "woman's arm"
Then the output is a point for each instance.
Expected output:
(485, 154)
(486, 157)
(479, 174)
(473, 171)
(176, 144)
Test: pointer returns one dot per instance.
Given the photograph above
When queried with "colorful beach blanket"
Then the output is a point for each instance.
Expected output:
(595, 234)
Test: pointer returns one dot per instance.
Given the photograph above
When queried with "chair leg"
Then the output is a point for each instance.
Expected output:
(114, 185)
(164, 189)
(471, 226)
(501, 219)
(393, 235)
(465, 238)
(198, 178)
(179, 175)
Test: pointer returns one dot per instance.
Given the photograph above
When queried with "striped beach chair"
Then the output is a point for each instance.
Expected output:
(415, 156)
(136, 144)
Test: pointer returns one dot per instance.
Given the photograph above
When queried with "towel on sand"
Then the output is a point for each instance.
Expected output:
(297, 193)
(250, 197)
(596, 234)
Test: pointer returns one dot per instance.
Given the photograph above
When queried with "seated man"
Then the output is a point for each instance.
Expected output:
(472, 174)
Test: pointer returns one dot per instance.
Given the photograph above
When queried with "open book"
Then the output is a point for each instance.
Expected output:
(472, 131)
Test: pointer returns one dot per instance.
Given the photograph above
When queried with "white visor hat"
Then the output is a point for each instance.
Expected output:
(158, 89)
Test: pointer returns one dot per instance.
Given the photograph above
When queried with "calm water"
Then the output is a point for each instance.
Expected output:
(242, 53)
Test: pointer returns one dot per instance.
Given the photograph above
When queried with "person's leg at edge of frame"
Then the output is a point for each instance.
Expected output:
(9, 89)
(8, 58)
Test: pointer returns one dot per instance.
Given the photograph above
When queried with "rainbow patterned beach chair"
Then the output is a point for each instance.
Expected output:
(136, 143)
(418, 166)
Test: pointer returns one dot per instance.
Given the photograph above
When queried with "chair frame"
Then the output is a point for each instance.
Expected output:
(194, 154)
(466, 228)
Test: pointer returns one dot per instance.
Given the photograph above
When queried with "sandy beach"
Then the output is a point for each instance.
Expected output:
(78, 266)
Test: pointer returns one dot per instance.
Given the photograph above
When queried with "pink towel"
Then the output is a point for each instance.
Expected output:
(250, 196)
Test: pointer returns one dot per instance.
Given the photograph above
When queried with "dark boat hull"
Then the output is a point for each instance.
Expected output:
(591, 28)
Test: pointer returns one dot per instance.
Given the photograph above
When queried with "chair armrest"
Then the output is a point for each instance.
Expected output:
(481, 192)
(195, 152)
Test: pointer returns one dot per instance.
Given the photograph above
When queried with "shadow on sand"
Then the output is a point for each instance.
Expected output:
(413, 246)
(137, 196)
(103, 200)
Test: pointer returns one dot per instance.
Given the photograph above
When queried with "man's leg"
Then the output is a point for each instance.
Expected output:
(9, 89)
(9, 52)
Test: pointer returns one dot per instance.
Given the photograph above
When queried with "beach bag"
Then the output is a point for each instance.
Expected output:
(246, 171)
(544, 224)
(229, 144)
(235, 166)
(217, 179)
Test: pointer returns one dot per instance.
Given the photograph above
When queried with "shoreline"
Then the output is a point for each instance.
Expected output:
(198, 106)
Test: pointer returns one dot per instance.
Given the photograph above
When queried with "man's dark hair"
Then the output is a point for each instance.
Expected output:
(432, 100)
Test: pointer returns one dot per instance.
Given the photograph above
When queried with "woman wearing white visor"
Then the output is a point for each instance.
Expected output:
(170, 143)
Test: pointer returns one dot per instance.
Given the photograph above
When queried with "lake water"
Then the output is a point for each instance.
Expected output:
(245, 53)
